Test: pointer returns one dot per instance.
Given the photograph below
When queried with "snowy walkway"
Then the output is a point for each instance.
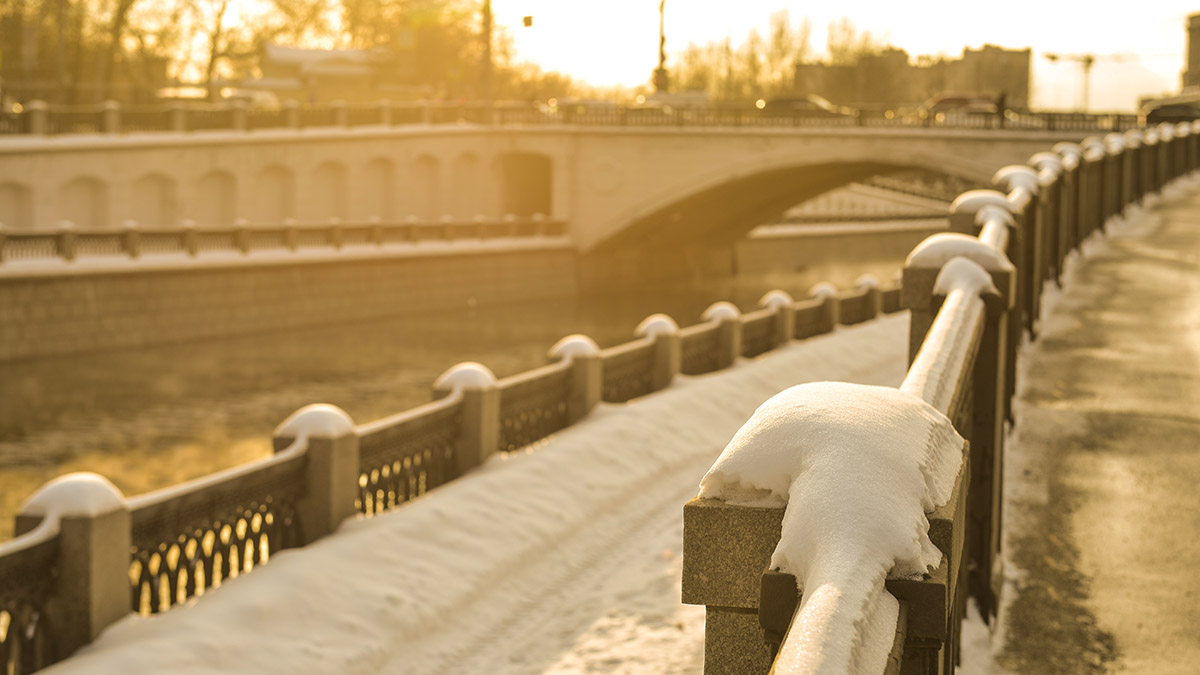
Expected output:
(1104, 509)
(565, 559)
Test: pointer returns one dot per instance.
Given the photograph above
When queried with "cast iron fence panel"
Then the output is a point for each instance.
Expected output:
(189, 538)
(404, 456)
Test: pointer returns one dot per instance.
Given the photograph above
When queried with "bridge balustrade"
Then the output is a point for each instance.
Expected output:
(66, 242)
(39, 118)
(973, 294)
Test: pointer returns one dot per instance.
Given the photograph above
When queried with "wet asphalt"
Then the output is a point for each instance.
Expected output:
(1103, 480)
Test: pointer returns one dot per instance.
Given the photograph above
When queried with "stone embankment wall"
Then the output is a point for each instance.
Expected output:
(133, 306)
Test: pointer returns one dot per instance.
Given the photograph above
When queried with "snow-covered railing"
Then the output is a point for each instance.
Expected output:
(132, 241)
(110, 117)
(846, 526)
(173, 545)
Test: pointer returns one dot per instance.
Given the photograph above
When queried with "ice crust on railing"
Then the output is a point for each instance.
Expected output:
(857, 468)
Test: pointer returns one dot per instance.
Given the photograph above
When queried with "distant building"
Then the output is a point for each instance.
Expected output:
(1189, 92)
(890, 79)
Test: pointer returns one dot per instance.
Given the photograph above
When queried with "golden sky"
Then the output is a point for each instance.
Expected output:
(1140, 50)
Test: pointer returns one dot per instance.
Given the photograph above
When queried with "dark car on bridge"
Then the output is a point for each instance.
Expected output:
(809, 106)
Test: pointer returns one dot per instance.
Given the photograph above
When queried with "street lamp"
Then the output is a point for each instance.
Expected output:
(660, 73)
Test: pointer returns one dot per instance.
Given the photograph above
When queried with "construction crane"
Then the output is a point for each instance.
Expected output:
(1085, 61)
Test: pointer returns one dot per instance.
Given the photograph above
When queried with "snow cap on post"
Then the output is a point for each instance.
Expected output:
(1150, 136)
(1016, 176)
(81, 494)
(965, 208)
(1093, 148)
(1183, 129)
(1166, 131)
(965, 274)
(1114, 142)
(656, 324)
(1134, 138)
(1068, 149)
(938, 249)
(465, 375)
(822, 290)
(1048, 162)
(572, 346)
(316, 420)
(866, 281)
(721, 311)
(776, 299)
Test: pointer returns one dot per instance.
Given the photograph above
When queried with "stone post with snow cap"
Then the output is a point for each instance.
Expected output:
(729, 331)
(1072, 154)
(587, 374)
(668, 348)
(1134, 154)
(992, 386)
(1166, 144)
(480, 432)
(785, 315)
(1049, 169)
(1150, 148)
(828, 295)
(868, 283)
(327, 435)
(1122, 166)
(92, 522)
(1020, 183)
(1091, 193)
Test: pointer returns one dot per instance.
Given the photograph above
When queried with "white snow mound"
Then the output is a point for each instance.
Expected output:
(858, 468)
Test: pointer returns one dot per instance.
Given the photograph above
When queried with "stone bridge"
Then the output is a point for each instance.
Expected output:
(615, 186)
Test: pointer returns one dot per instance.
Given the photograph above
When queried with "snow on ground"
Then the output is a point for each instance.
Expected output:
(562, 559)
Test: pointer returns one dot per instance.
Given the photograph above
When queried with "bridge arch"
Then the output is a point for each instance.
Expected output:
(154, 201)
(84, 201)
(16, 205)
(718, 204)
(274, 195)
(216, 198)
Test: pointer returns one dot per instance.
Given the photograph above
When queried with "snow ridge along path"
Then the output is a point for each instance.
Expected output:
(562, 559)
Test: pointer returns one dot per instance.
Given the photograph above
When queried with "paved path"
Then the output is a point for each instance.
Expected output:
(1104, 475)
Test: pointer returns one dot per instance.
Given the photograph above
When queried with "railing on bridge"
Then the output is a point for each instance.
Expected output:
(39, 118)
(972, 292)
(151, 552)
(67, 243)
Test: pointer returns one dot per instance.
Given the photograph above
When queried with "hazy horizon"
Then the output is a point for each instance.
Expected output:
(1145, 57)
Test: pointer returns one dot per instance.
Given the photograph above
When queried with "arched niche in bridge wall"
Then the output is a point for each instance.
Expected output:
(328, 195)
(216, 199)
(274, 195)
(378, 197)
(426, 188)
(154, 201)
(526, 183)
(16, 206)
(84, 202)
(468, 186)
